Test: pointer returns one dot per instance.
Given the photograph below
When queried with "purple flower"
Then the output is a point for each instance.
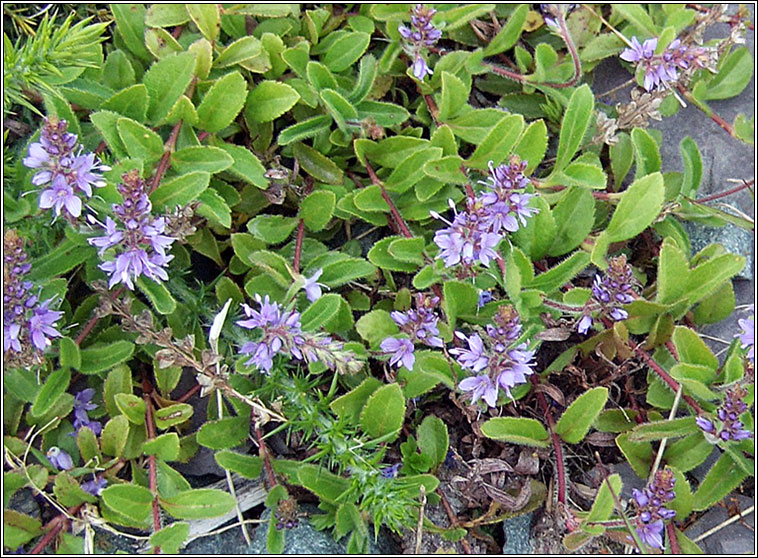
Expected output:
(69, 173)
(747, 337)
(515, 371)
(391, 471)
(472, 358)
(584, 324)
(139, 243)
(312, 288)
(484, 298)
(705, 425)
(95, 486)
(728, 415)
(60, 459)
(639, 51)
(41, 325)
(660, 70)
(82, 404)
(420, 37)
(401, 350)
(420, 324)
(481, 387)
(651, 533)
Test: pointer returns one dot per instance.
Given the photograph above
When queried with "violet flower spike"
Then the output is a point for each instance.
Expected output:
(95, 486)
(419, 37)
(60, 459)
(401, 352)
(481, 387)
(747, 336)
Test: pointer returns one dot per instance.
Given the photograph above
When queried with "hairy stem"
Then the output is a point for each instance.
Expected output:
(298, 246)
(745, 184)
(560, 470)
(393, 210)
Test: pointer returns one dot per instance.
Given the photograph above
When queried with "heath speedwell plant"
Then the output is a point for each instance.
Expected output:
(391, 259)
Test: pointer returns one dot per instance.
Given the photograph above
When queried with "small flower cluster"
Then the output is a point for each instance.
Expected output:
(650, 511)
(66, 172)
(286, 514)
(28, 324)
(747, 337)
(662, 70)
(422, 35)
(552, 12)
(499, 363)
(282, 333)
(82, 404)
(615, 288)
(138, 239)
(61, 460)
(729, 416)
(421, 327)
(474, 233)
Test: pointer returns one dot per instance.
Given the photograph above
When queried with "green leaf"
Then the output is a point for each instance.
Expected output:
(246, 165)
(658, 430)
(349, 406)
(622, 155)
(161, 43)
(70, 357)
(453, 98)
(140, 142)
(55, 386)
(706, 277)
(673, 269)
(646, 154)
(509, 33)
(433, 439)
(375, 326)
(269, 100)
(130, 22)
(639, 207)
(222, 103)
(171, 538)
(603, 506)
(687, 453)
(557, 276)
(317, 208)
(383, 114)
(459, 298)
(240, 50)
(723, 477)
(114, 436)
(410, 170)
(165, 446)
(474, 125)
(172, 415)
(522, 431)
(131, 102)
(498, 143)
(576, 420)
(346, 50)
(272, 229)
(365, 80)
(447, 169)
(203, 51)
(158, 295)
(166, 81)
(389, 152)
(135, 502)
(460, 16)
(327, 486)
(339, 108)
(201, 503)
(692, 349)
(166, 15)
(118, 73)
(384, 412)
(19, 529)
(637, 16)
(532, 145)
(132, 406)
(407, 250)
(102, 357)
(693, 167)
(638, 454)
(735, 72)
(180, 191)
(380, 256)
(584, 175)
(574, 216)
(224, 433)
(207, 18)
(321, 312)
(22, 384)
(318, 166)
(305, 129)
(717, 306)
(574, 125)
(249, 466)
(203, 158)
(119, 380)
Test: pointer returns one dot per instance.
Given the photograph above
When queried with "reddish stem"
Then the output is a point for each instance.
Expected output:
(561, 473)
(671, 530)
(89, 326)
(192, 391)
(202, 135)
(153, 472)
(166, 159)
(469, 189)
(453, 519)
(393, 210)
(743, 186)
(263, 452)
(60, 521)
(671, 382)
(298, 246)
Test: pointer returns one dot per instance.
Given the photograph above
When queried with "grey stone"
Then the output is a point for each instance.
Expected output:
(731, 540)
(23, 502)
(517, 532)
(629, 480)
(305, 539)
